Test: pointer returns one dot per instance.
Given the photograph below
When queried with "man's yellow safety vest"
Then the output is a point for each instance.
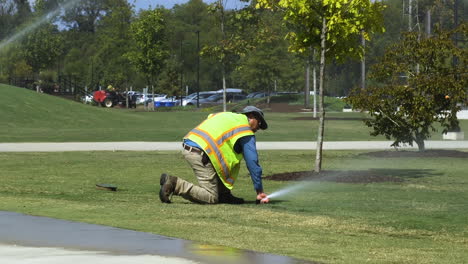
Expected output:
(217, 136)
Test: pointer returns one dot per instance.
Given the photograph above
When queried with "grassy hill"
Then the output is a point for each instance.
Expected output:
(27, 116)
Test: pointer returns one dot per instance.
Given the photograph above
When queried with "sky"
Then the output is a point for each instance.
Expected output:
(144, 4)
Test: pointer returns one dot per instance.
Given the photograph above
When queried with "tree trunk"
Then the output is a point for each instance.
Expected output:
(420, 141)
(363, 62)
(314, 76)
(223, 64)
(268, 96)
(318, 158)
(307, 85)
(224, 89)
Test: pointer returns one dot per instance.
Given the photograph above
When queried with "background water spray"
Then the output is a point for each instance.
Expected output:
(38, 22)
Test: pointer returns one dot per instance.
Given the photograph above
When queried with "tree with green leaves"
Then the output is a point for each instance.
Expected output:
(113, 40)
(185, 21)
(85, 15)
(150, 52)
(408, 99)
(269, 65)
(239, 34)
(42, 48)
(333, 27)
(266, 66)
(13, 17)
(6, 18)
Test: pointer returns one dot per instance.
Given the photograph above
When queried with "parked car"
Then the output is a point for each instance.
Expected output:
(253, 94)
(192, 98)
(260, 95)
(167, 101)
(218, 99)
(87, 98)
(159, 97)
(142, 99)
(232, 90)
(212, 99)
(148, 98)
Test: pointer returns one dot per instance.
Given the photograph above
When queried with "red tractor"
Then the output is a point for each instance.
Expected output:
(112, 98)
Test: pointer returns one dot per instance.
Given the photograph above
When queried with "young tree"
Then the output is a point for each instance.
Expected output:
(150, 37)
(239, 34)
(334, 28)
(407, 99)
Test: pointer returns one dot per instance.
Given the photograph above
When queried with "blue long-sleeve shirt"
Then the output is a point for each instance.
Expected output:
(247, 146)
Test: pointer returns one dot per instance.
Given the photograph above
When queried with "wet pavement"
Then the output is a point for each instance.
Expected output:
(33, 255)
(34, 239)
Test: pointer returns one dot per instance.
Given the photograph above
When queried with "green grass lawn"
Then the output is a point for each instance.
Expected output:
(420, 220)
(26, 116)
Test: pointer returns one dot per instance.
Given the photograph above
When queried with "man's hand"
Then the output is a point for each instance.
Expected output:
(262, 197)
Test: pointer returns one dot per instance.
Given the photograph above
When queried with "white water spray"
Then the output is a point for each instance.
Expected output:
(289, 189)
(37, 23)
(303, 185)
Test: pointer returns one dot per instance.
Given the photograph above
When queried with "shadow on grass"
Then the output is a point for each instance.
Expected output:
(355, 176)
(275, 201)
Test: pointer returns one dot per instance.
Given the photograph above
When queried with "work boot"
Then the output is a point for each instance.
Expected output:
(168, 184)
(228, 198)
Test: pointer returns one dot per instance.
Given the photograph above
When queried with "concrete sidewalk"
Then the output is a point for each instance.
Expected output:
(262, 145)
(33, 239)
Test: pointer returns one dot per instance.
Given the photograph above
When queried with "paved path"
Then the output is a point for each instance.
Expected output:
(29, 239)
(262, 145)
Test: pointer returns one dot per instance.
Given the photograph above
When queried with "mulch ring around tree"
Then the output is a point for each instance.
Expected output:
(360, 176)
(431, 153)
(330, 118)
(282, 108)
(373, 175)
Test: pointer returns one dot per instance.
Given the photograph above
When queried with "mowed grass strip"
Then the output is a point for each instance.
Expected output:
(27, 116)
(419, 220)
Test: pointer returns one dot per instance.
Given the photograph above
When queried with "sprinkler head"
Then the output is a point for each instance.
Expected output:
(263, 201)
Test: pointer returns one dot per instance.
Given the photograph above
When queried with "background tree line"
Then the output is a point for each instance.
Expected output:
(103, 42)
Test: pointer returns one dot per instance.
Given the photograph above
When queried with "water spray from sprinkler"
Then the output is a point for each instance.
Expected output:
(287, 190)
(38, 23)
(284, 191)
(300, 186)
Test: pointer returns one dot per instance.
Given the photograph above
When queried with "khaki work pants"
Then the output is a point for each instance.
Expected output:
(209, 186)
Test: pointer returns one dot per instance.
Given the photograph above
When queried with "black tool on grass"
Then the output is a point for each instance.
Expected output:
(105, 186)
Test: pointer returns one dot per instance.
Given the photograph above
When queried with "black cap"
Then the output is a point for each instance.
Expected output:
(258, 114)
